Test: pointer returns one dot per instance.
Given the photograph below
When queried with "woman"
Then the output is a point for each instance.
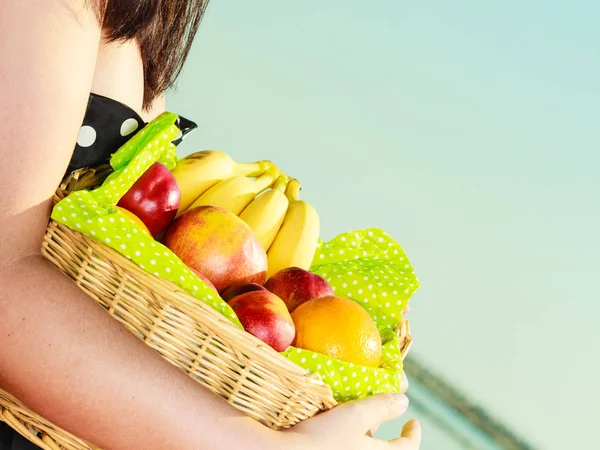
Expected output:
(60, 353)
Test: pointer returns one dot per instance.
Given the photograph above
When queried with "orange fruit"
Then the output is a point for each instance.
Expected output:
(338, 328)
(136, 219)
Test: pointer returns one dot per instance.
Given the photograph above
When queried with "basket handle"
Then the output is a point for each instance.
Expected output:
(403, 332)
(86, 178)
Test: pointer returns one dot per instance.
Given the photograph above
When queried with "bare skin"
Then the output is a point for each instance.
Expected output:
(60, 353)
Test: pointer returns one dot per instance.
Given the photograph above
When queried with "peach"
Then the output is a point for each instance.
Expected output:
(219, 245)
(240, 289)
(136, 219)
(296, 286)
(265, 316)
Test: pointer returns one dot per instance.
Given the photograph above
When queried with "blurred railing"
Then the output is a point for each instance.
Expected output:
(450, 420)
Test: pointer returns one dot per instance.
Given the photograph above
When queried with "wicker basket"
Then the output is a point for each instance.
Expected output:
(191, 335)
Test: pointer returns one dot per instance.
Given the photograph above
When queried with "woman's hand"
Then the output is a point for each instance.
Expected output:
(347, 427)
(351, 425)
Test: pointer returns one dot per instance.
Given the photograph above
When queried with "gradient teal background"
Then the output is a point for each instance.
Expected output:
(470, 132)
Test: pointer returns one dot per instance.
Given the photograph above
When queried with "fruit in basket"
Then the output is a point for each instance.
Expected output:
(198, 172)
(265, 316)
(295, 286)
(296, 241)
(265, 214)
(153, 198)
(136, 219)
(240, 289)
(339, 328)
(218, 244)
(234, 194)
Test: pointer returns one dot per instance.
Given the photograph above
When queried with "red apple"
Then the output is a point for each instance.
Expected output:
(154, 198)
(296, 286)
(265, 316)
(234, 291)
(219, 245)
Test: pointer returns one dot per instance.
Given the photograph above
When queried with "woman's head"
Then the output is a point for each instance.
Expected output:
(164, 30)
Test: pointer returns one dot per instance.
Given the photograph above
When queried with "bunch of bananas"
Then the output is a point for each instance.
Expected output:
(261, 195)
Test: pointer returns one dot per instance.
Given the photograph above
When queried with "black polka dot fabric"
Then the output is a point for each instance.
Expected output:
(108, 124)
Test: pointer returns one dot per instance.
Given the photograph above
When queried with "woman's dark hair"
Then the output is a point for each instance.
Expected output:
(164, 29)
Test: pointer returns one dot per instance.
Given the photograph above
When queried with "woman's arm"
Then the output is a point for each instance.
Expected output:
(67, 359)
(59, 352)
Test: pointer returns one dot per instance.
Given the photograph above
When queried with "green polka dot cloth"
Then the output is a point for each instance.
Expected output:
(370, 268)
(93, 213)
(366, 266)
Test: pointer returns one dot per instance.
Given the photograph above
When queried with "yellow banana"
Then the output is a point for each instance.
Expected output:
(265, 214)
(296, 241)
(198, 172)
(236, 193)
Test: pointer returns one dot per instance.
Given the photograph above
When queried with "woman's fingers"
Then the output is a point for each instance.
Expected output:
(404, 383)
(403, 388)
(367, 414)
(412, 431)
(410, 438)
